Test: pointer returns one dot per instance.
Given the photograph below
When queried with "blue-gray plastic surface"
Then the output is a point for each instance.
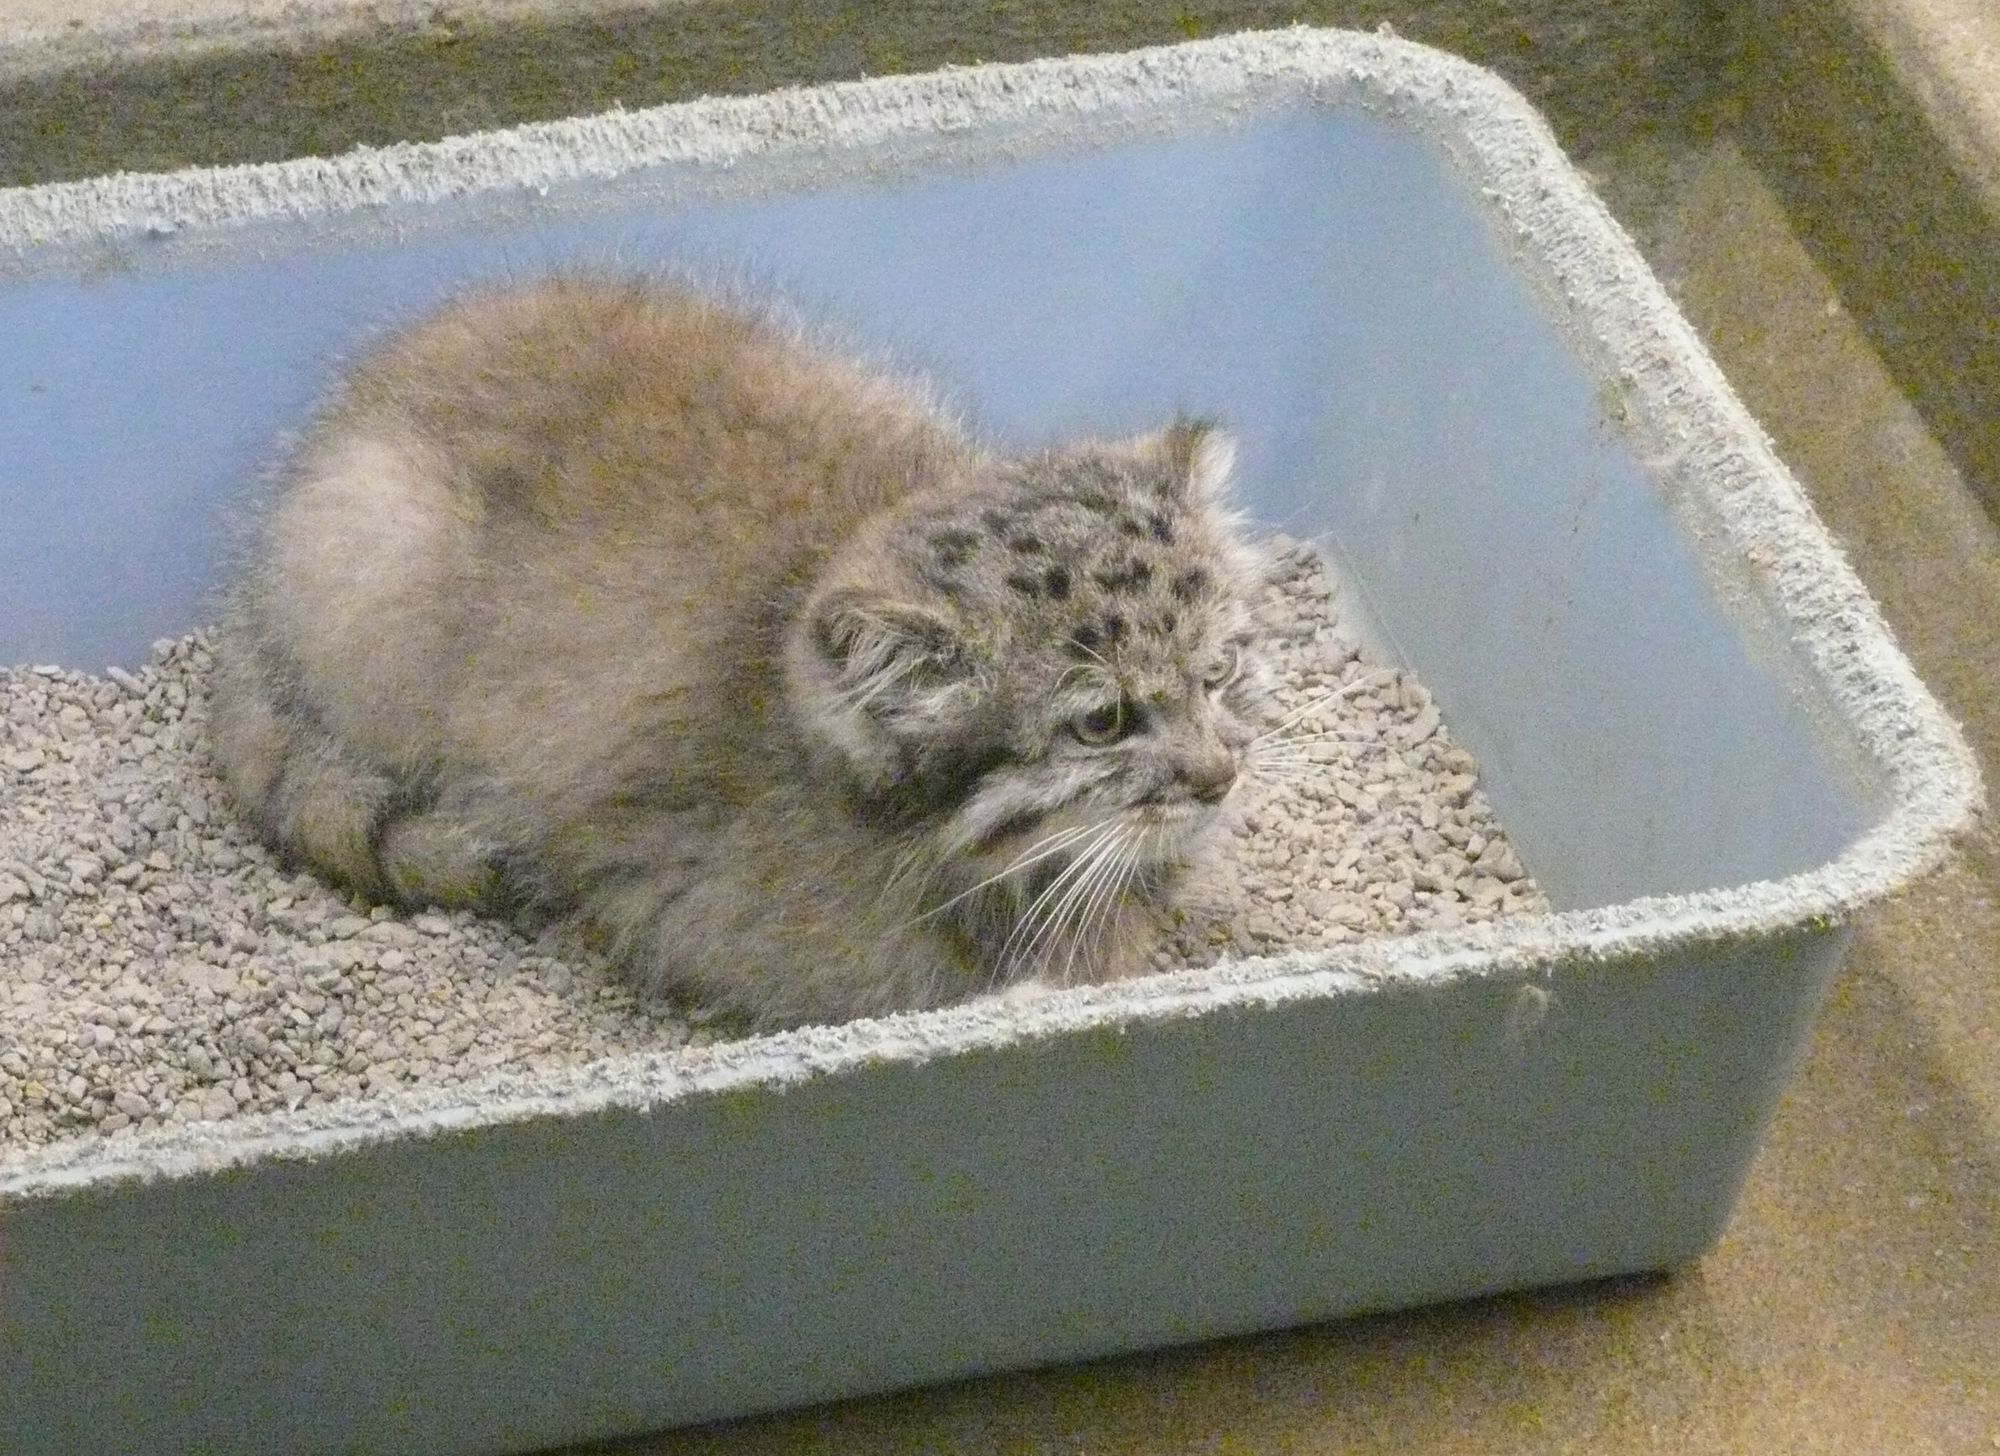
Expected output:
(1316, 279)
(563, 1279)
(1322, 280)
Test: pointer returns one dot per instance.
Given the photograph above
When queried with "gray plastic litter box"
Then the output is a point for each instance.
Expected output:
(1443, 359)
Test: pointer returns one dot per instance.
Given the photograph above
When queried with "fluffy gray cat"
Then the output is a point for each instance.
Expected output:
(642, 607)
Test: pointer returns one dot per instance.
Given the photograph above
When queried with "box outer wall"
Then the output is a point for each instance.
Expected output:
(518, 1285)
(1276, 1151)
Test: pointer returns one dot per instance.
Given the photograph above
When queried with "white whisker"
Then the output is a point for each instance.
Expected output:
(1104, 908)
(1370, 680)
(1087, 907)
(1075, 901)
(1332, 738)
(1028, 916)
(900, 871)
(1034, 854)
(1046, 921)
(1299, 760)
(1075, 878)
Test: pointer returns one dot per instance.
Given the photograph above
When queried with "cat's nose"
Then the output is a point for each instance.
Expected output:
(1210, 777)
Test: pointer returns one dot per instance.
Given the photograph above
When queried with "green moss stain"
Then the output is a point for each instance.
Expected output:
(744, 1111)
(958, 1195)
(1110, 1044)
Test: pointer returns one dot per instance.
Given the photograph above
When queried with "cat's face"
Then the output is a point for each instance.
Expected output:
(1055, 675)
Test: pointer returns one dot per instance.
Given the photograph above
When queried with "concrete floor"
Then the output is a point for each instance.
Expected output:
(1854, 1305)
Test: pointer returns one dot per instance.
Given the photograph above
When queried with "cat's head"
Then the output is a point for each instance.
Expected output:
(1053, 660)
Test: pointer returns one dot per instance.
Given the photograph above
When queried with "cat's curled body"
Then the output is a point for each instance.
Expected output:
(643, 606)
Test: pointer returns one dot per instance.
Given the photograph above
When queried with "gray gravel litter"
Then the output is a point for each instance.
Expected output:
(157, 966)
(1363, 819)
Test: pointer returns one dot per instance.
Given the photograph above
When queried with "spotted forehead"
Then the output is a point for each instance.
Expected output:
(1116, 577)
(1110, 567)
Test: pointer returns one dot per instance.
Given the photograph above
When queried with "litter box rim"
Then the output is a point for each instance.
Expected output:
(1555, 226)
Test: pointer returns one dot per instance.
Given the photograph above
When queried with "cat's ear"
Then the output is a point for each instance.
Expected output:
(878, 674)
(883, 650)
(1200, 458)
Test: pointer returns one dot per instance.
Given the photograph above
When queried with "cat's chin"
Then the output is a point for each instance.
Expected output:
(1176, 828)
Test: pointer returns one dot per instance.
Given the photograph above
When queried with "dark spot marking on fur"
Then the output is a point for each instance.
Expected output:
(1128, 526)
(405, 801)
(1013, 824)
(1114, 627)
(1128, 575)
(1084, 640)
(1025, 583)
(1075, 495)
(996, 519)
(1161, 527)
(1055, 581)
(505, 485)
(1169, 621)
(940, 778)
(288, 694)
(941, 577)
(954, 546)
(1191, 583)
(521, 890)
(1029, 545)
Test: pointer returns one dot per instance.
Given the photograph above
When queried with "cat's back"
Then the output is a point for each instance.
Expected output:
(549, 506)
(609, 405)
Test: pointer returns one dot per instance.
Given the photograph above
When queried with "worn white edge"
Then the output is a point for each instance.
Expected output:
(1559, 227)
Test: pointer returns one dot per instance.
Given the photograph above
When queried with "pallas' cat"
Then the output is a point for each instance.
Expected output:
(645, 608)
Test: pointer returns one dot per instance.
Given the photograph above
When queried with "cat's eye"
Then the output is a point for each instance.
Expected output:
(1102, 725)
(1221, 668)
